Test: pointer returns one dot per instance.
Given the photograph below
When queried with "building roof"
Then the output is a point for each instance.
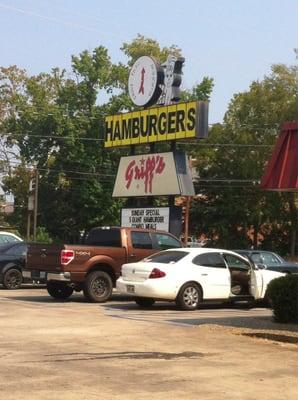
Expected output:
(281, 172)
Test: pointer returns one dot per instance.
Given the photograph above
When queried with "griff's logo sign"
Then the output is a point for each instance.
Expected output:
(144, 170)
(156, 174)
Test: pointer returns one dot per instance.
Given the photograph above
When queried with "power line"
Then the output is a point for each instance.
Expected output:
(180, 143)
(111, 174)
(58, 137)
(225, 144)
(226, 180)
(75, 172)
(97, 174)
(57, 20)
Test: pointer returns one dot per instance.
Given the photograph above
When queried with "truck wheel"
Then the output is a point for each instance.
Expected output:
(12, 279)
(189, 296)
(144, 301)
(59, 290)
(98, 287)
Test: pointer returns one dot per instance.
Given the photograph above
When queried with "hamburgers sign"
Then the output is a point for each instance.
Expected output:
(152, 83)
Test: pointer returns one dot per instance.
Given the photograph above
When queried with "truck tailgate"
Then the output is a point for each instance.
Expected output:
(44, 257)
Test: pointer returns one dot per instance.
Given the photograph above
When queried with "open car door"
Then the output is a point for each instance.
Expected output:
(256, 283)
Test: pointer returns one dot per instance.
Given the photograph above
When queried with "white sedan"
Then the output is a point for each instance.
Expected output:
(189, 276)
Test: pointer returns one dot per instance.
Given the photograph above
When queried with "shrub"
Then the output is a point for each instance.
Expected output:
(42, 235)
(283, 296)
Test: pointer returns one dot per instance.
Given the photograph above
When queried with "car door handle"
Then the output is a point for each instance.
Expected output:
(204, 274)
(132, 256)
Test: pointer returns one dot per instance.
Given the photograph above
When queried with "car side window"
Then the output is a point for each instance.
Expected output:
(141, 240)
(104, 237)
(270, 259)
(235, 262)
(164, 242)
(213, 260)
(257, 259)
(167, 257)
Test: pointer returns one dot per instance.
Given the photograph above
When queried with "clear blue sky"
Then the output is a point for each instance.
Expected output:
(233, 41)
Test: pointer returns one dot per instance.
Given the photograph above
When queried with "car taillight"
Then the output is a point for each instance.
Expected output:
(156, 273)
(66, 256)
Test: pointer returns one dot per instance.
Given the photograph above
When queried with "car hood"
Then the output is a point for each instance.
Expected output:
(269, 274)
(290, 264)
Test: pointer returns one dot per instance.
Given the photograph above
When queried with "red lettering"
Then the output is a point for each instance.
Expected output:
(129, 174)
(145, 171)
(141, 90)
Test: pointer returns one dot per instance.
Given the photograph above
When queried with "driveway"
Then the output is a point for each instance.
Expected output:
(73, 349)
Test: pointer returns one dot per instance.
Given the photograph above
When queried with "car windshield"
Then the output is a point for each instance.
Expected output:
(270, 258)
(256, 257)
(167, 257)
(7, 238)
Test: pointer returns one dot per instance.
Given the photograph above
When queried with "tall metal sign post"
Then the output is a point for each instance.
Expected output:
(158, 117)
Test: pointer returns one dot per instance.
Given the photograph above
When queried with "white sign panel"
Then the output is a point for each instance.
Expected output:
(147, 175)
(146, 218)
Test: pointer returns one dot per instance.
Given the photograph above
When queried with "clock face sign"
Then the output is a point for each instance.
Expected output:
(143, 81)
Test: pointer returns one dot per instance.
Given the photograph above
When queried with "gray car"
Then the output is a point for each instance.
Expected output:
(269, 260)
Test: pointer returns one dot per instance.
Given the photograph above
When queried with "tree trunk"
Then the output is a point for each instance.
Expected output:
(255, 236)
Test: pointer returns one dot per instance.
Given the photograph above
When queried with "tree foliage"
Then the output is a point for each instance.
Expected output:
(231, 209)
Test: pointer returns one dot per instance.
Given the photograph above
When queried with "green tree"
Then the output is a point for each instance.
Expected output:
(232, 210)
(56, 125)
(142, 46)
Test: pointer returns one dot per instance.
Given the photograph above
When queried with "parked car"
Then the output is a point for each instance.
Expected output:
(189, 276)
(12, 260)
(8, 237)
(193, 242)
(269, 260)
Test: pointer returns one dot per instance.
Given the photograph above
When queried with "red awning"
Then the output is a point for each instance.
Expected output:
(282, 170)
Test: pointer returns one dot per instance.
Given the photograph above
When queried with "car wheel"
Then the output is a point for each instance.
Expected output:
(144, 301)
(12, 279)
(98, 287)
(189, 296)
(59, 290)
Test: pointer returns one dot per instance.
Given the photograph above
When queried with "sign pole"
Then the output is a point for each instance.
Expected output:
(35, 205)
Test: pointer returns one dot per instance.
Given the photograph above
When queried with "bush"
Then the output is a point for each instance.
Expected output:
(283, 296)
(42, 235)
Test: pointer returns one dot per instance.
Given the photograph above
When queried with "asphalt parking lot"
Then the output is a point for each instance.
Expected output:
(74, 349)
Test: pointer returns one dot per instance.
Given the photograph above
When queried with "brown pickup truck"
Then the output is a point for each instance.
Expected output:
(94, 266)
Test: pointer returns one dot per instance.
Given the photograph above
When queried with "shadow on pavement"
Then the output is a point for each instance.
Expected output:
(46, 298)
(273, 336)
(217, 314)
(129, 304)
(227, 315)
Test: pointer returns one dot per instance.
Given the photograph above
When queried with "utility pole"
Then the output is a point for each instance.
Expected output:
(31, 191)
(186, 219)
(28, 225)
(35, 205)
